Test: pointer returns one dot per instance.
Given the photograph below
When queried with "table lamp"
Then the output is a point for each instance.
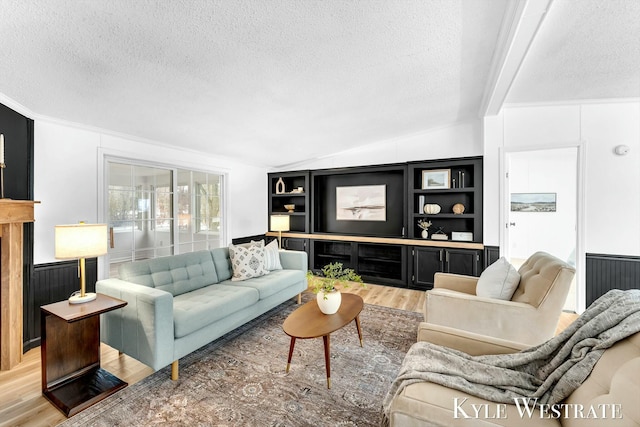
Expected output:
(279, 223)
(80, 241)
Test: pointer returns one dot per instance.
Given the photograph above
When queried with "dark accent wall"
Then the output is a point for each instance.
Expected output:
(325, 183)
(491, 255)
(53, 282)
(18, 148)
(18, 184)
(605, 272)
(255, 238)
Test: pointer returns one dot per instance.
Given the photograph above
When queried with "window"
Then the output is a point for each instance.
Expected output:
(199, 196)
(155, 211)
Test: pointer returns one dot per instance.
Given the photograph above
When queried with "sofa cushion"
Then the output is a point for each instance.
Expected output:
(499, 280)
(176, 274)
(247, 262)
(273, 283)
(197, 309)
(222, 262)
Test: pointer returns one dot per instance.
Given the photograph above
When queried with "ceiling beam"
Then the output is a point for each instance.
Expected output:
(520, 24)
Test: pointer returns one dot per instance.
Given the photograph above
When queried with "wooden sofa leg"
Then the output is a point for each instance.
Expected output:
(174, 370)
(300, 298)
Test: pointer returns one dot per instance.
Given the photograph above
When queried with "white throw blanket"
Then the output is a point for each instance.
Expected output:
(550, 371)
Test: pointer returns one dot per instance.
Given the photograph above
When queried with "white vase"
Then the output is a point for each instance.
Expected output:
(331, 303)
(425, 234)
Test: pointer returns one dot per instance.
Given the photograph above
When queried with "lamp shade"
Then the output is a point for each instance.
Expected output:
(80, 241)
(279, 222)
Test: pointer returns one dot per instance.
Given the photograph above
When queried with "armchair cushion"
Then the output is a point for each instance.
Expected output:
(499, 280)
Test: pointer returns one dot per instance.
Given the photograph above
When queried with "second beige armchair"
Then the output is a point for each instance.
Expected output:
(530, 317)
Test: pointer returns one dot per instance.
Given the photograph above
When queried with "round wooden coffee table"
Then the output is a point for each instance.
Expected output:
(309, 322)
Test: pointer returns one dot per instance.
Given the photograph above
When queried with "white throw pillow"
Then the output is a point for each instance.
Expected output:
(272, 256)
(499, 280)
(247, 262)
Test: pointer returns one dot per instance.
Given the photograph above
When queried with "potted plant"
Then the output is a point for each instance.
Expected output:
(424, 225)
(326, 285)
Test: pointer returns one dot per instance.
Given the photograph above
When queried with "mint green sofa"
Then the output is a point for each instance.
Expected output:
(179, 303)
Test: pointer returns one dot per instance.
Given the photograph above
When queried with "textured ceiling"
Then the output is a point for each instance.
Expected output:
(282, 81)
(585, 49)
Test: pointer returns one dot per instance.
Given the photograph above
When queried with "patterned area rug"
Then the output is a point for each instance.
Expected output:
(240, 379)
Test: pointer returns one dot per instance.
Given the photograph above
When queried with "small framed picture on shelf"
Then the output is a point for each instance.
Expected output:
(436, 179)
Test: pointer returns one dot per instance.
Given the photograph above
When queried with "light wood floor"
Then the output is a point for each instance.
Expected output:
(22, 403)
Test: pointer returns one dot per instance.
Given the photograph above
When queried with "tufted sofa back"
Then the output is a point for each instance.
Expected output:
(543, 278)
(176, 274)
(614, 380)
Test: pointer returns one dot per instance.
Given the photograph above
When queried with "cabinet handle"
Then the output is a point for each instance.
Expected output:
(111, 242)
(440, 255)
(447, 256)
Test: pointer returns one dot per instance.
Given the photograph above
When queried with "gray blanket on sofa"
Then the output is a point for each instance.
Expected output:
(549, 371)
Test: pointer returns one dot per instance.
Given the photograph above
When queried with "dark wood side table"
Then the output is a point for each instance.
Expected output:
(72, 378)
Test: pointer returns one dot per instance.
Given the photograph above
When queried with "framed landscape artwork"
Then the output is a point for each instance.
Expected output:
(361, 203)
(533, 202)
(436, 179)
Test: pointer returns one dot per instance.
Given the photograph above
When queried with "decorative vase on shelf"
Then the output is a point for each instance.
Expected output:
(425, 234)
(431, 208)
(280, 186)
(458, 208)
(329, 302)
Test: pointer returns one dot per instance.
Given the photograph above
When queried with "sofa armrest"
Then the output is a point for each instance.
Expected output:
(143, 329)
(294, 260)
(469, 342)
(456, 282)
(514, 321)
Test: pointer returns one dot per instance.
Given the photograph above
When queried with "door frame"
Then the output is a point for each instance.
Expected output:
(580, 208)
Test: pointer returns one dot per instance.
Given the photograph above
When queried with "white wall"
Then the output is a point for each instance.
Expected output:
(66, 177)
(459, 140)
(611, 182)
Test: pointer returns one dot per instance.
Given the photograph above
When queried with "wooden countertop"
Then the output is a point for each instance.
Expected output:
(387, 240)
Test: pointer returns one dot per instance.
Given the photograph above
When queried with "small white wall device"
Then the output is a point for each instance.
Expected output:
(622, 150)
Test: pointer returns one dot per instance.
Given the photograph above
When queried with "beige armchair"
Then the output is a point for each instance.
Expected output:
(615, 380)
(530, 317)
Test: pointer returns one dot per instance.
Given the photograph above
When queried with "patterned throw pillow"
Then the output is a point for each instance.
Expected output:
(247, 262)
(272, 256)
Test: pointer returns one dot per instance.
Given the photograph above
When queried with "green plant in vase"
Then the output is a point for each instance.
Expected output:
(328, 282)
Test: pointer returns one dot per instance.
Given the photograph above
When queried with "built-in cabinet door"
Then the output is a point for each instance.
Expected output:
(293, 244)
(462, 261)
(429, 261)
(426, 263)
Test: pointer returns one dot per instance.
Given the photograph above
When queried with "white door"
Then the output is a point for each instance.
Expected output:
(139, 213)
(541, 207)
